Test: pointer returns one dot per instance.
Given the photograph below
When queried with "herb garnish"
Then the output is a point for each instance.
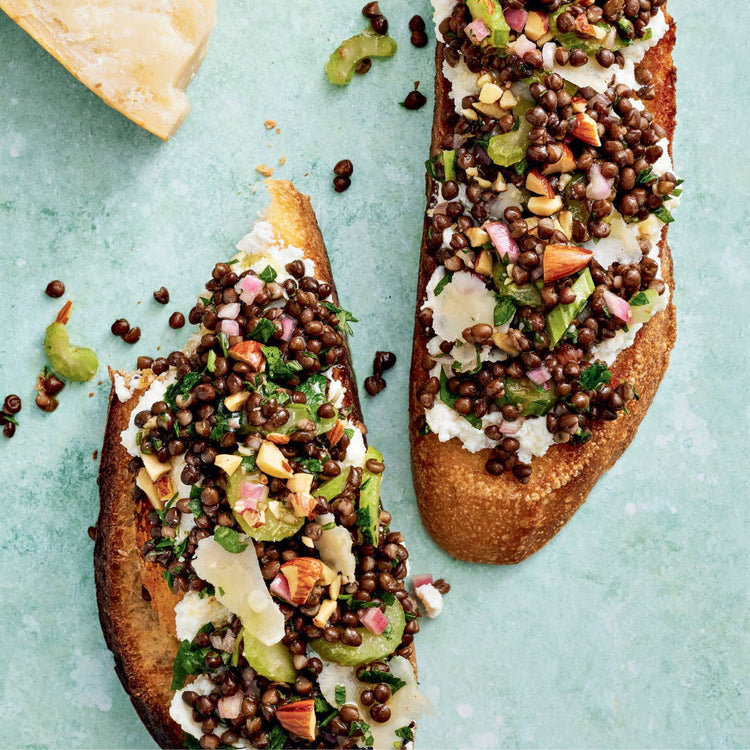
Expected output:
(594, 375)
(277, 367)
(229, 539)
(344, 316)
(374, 676)
(263, 330)
(268, 274)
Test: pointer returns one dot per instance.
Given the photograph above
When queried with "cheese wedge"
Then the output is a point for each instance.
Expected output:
(137, 55)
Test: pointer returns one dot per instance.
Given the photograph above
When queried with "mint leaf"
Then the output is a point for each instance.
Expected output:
(504, 311)
(248, 463)
(662, 214)
(268, 274)
(229, 539)
(639, 299)
(374, 676)
(263, 330)
(315, 389)
(340, 694)
(405, 733)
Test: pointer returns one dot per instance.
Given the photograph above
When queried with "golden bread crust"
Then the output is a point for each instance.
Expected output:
(478, 517)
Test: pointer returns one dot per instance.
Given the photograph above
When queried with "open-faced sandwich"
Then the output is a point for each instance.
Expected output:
(137, 55)
(544, 322)
(249, 583)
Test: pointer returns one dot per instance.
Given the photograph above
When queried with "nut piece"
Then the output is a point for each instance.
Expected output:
(228, 462)
(298, 718)
(302, 575)
(271, 461)
(154, 467)
(250, 353)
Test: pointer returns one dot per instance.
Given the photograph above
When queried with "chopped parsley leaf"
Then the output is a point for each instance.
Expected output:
(277, 367)
(594, 375)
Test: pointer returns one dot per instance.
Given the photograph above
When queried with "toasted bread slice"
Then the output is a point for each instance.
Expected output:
(138, 56)
(478, 517)
(136, 606)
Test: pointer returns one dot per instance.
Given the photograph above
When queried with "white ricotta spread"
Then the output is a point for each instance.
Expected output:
(441, 9)
(534, 438)
(463, 82)
(155, 393)
(183, 714)
(193, 611)
(125, 385)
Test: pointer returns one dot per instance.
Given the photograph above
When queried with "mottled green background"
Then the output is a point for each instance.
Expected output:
(628, 630)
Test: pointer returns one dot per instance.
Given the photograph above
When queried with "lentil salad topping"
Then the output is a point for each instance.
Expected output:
(246, 448)
(550, 192)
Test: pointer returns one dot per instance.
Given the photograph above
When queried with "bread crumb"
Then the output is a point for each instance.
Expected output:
(278, 130)
(95, 455)
(270, 124)
(282, 161)
(91, 395)
(264, 170)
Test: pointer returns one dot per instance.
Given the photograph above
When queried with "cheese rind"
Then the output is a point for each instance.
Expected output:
(137, 55)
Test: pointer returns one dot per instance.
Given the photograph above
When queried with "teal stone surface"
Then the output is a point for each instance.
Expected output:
(628, 630)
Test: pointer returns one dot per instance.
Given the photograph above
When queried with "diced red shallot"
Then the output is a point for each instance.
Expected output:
(229, 327)
(522, 46)
(248, 287)
(610, 39)
(516, 19)
(287, 326)
(229, 311)
(230, 706)
(477, 30)
(502, 241)
(509, 428)
(539, 375)
(618, 306)
(374, 620)
(280, 587)
(421, 580)
(599, 186)
(251, 493)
